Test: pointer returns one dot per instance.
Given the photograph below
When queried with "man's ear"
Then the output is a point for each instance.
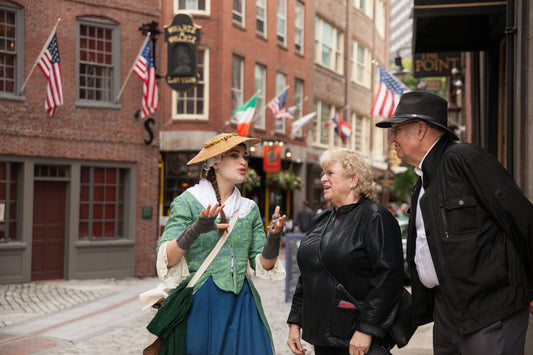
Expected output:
(422, 130)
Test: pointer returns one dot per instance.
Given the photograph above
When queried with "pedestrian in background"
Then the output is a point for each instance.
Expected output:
(324, 205)
(358, 242)
(226, 316)
(470, 239)
(304, 216)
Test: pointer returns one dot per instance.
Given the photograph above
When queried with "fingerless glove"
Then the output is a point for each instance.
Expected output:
(272, 244)
(192, 232)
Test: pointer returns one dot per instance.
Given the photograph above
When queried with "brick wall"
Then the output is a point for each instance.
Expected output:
(98, 134)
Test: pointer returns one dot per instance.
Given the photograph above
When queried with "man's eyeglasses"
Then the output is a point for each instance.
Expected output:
(394, 130)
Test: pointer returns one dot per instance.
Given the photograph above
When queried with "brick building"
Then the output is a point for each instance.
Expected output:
(322, 51)
(78, 191)
(83, 196)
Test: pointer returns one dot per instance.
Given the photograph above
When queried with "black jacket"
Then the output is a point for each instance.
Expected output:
(362, 248)
(479, 228)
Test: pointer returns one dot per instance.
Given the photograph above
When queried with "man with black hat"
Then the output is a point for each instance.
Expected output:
(470, 236)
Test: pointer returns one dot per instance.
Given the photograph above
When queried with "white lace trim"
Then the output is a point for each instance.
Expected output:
(275, 274)
(170, 278)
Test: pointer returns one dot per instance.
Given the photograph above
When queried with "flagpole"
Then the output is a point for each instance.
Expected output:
(133, 66)
(39, 57)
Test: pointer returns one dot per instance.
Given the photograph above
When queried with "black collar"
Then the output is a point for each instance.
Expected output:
(431, 161)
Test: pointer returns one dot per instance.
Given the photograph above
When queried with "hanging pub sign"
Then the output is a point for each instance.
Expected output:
(436, 64)
(182, 38)
(272, 159)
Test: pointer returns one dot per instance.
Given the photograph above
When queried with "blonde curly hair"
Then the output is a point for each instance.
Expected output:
(352, 165)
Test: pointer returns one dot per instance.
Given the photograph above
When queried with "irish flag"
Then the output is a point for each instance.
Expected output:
(244, 115)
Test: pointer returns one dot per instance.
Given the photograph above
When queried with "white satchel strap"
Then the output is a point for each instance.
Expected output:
(215, 250)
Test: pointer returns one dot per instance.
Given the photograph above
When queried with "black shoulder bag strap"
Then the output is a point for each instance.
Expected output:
(338, 285)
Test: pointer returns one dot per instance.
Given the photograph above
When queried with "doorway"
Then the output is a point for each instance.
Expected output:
(49, 225)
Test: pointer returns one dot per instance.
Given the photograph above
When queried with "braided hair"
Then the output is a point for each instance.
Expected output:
(211, 177)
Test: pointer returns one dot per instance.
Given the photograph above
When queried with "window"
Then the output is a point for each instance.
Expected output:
(281, 83)
(298, 103)
(380, 18)
(365, 6)
(299, 27)
(361, 65)
(102, 193)
(323, 136)
(260, 86)
(11, 50)
(178, 176)
(261, 17)
(8, 201)
(194, 104)
(192, 6)
(50, 171)
(281, 28)
(360, 137)
(98, 60)
(328, 46)
(237, 82)
(238, 12)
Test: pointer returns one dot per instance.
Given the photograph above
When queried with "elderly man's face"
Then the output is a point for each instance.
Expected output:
(405, 139)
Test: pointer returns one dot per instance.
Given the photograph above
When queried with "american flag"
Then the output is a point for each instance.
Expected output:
(389, 91)
(145, 70)
(50, 65)
(342, 127)
(277, 105)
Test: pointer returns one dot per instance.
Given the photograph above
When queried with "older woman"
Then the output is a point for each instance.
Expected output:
(358, 243)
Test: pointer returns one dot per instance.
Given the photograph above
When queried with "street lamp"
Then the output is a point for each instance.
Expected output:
(399, 71)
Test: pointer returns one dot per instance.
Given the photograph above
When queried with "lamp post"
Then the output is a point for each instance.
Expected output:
(399, 71)
(454, 102)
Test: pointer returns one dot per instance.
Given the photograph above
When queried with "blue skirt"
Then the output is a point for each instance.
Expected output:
(223, 323)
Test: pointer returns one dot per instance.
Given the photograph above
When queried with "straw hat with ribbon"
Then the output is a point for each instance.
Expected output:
(220, 144)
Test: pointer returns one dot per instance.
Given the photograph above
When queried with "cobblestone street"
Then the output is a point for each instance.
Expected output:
(105, 317)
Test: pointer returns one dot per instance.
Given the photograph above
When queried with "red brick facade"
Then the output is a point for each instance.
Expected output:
(88, 134)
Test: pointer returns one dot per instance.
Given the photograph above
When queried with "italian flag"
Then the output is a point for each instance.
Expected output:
(244, 115)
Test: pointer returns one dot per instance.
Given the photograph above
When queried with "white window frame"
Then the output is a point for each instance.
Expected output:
(365, 6)
(360, 137)
(18, 54)
(299, 27)
(361, 67)
(239, 13)
(237, 91)
(114, 77)
(335, 50)
(323, 137)
(202, 80)
(261, 4)
(281, 83)
(193, 10)
(380, 18)
(281, 22)
(298, 102)
(260, 87)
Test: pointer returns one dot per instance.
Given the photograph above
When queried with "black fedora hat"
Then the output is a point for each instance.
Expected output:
(420, 105)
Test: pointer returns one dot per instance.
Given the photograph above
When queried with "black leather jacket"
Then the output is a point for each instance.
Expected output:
(361, 247)
(479, 228)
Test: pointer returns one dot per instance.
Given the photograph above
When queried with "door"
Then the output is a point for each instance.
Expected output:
(48, 245)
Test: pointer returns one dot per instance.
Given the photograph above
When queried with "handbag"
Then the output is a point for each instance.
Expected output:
(403, 327)
(170, 321)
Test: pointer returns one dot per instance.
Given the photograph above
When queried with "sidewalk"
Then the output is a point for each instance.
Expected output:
(105, 317)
